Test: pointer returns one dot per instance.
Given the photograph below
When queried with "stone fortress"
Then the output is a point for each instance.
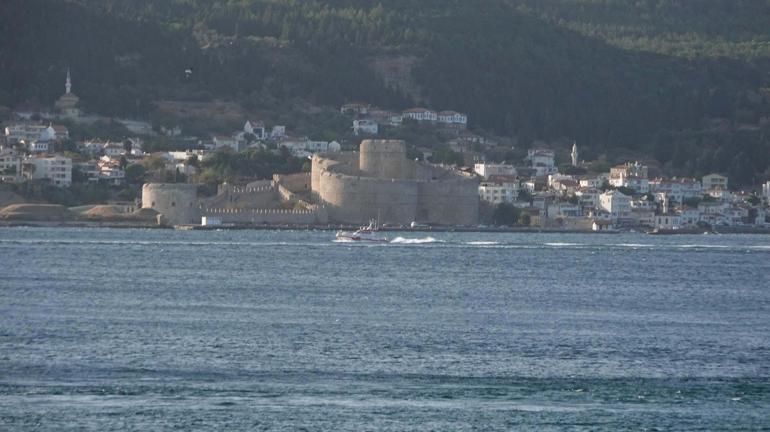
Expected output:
(380, 183)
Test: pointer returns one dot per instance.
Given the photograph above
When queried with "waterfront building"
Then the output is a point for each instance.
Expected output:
(617, 204)
(677, 189)
(56, 169)
(499, 189)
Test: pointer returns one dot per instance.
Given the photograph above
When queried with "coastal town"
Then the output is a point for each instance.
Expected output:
(371, 171)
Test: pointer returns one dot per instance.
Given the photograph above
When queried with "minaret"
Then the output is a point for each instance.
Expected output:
(574, 154)
(68, 85)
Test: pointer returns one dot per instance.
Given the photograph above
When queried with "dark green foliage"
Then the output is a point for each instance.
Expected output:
(506, 214)
(647, 75)
(135, 173)
(227, 165)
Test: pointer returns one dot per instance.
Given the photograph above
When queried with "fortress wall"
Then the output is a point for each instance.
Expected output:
(175, 201)
(449, 202)
(296, 183)
(358, 199)
(384, 159)
(244, 197)
(268, 216)
(343, 163)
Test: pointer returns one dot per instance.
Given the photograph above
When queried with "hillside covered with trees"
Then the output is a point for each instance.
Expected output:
(686, 82)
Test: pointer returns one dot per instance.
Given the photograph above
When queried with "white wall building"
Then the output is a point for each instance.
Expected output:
(365, 127)
(499, 189)
(24, 132)
(10, 165)
(57, 169)
(420, 115)
(714, 181)
(632, 175)
(39, 146)
(677, 189)
(542, 160)
(486, 170)
(766, 190)
(616, 204)
(256, 128)
(452, 118)
(306, 147)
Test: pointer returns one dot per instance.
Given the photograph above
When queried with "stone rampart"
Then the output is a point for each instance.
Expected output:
(427, 193)
(268, 216)
(177, 202)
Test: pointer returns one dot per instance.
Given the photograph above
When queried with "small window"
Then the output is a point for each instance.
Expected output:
(173, 204)
(152, 204)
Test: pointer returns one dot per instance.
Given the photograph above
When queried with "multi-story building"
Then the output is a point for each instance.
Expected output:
(487, 170)
(617, 204)
(24, 132)
(420, 115)
(10, 165)
(714, 181)
(632, 175)
(677, 189)
(499, 189)
(542, 160)
(56, 169)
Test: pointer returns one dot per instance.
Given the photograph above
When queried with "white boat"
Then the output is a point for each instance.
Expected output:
(368, 233)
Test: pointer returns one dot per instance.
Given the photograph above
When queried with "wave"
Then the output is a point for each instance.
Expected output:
(482, 243)
(424, 240)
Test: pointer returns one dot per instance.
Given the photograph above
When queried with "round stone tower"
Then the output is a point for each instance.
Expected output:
(175, 201)
(384, 159)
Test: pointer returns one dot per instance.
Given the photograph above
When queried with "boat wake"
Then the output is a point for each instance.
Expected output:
(424, 240)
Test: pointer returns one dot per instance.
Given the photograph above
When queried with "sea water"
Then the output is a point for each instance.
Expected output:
(105, 329)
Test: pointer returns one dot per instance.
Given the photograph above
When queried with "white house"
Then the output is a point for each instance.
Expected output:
(420, 115)
(24, 132)
(486, 169)
(766, 190)
(55, 133)
(630, 175)
(40, 146)
(10, 165)
(616, 204)
(542, 160)
(305, 147)
(256, 128)
(57, 169)
(668, 221)
(714, 181)
(365, 127)
(113, 149)
(677, 189)
(452, 118)
(499, 189)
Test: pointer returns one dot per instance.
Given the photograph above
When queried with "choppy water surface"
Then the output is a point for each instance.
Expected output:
(262, 330)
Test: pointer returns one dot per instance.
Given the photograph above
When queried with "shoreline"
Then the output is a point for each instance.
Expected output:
(337, 227)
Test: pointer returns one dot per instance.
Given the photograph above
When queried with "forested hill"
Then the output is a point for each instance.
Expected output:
(650, 75)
